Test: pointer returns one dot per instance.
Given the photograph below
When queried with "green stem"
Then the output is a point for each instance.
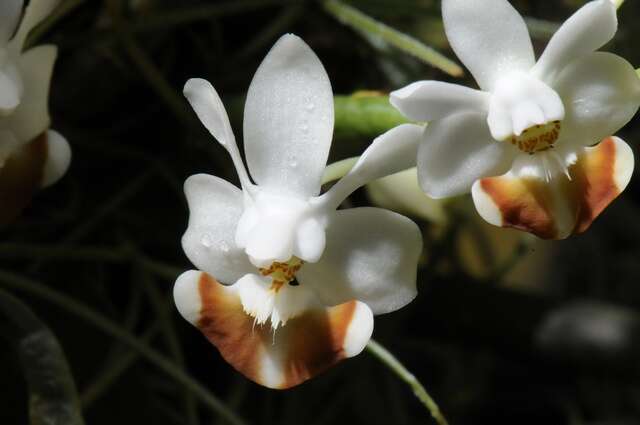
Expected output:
(369, 26)
(103, 382)
(364, 115)
(60, 12)
(82, 311)
(398, 368)
(40, 252)
(162, 310)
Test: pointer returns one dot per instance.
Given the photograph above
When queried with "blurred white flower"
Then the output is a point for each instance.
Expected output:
(533, 123)
(400, 192)
(305, 278)
(31, 155)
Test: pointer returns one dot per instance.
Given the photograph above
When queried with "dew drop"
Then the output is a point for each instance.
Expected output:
(224, 247)
(304, 128)
(292, 161)
(310, 107)
(206, 241)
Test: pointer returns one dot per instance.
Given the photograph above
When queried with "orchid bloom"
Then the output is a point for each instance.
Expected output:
(304, 279)
(31, 155)
(526, 145)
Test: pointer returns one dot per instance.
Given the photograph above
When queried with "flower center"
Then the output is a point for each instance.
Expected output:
(275, 297)
(537, 138)
(282, 273)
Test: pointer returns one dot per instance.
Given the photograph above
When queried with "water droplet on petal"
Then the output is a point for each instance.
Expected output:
(310, 107)
(292, 161)
(206, 241)
(304, 128)
(224, 247)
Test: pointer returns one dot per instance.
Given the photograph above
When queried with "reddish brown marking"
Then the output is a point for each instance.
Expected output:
(21, 177)
(593, 185)
(304, 347)
(316, 342)
(229, 328)
(524, 204)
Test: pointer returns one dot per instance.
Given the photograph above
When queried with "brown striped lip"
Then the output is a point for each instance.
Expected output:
(312, 342)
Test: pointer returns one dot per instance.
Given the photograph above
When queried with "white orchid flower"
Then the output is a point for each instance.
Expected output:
(305, 279)
(533, 124)
(31, 155)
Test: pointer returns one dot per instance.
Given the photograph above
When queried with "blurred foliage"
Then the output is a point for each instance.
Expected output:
(504, 330)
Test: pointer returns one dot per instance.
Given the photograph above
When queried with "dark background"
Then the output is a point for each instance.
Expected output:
(504, 330)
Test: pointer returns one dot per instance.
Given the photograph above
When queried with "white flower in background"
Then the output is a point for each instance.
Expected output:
(31, 155)
(400, 192)
(533, 124)
(305, 279)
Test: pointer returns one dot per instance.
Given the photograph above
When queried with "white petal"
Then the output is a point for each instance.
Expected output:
(271, 240)
(310, 240)
(601, 93)
(31, 117)
(489, 37)
(207, 104)
(215, 206)
(270, 226)
(288, 119)
(458, 150)
(186, 296)
(590, 28)
(10, 11)
(11, 89)
(58, 158)
(519, 101)
(33, 15)
(432, 100)
(371, 256)
(388, 154)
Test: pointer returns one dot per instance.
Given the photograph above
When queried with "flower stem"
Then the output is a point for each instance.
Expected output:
(370, 27)
(80, 310)
(398, 368)
(364, 115)
(103, 382)
(56, 16)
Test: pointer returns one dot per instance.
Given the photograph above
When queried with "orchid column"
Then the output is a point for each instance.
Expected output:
(32, 156)
(535, 144)
(305, 279)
